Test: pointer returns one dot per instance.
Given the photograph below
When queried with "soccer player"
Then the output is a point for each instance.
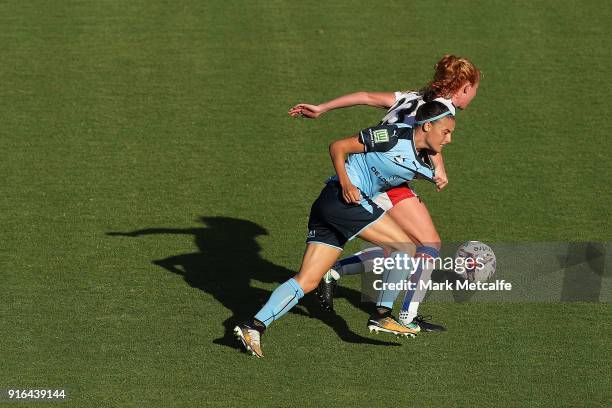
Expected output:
(455, 84)
(379, 158)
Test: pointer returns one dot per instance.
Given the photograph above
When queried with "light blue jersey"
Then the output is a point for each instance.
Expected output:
(390, 160)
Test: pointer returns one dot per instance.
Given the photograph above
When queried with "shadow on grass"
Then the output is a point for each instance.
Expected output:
(227, 259)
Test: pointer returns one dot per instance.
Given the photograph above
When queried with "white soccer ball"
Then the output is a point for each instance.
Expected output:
(475, 261)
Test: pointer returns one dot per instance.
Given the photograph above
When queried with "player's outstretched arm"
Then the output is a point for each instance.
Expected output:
(440, 179)
(376, 99)
(338, 151)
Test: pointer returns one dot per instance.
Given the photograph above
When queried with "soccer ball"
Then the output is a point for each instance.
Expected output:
(475, 261)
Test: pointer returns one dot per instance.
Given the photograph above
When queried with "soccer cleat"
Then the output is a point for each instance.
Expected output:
(411, 324)
(426, 325)
(327, 287)
(388, 324)
(250, 339)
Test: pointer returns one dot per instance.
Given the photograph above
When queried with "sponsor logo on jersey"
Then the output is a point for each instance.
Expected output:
(378, 174)
(311, 234)
(380, 136)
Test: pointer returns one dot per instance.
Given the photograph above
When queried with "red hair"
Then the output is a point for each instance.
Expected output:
(451, 73)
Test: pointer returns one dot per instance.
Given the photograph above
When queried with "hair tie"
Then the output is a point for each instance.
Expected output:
(440, 116)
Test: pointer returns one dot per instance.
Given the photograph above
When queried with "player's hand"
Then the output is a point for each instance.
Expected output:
(351, 194)
(305, 110)
(441, 180)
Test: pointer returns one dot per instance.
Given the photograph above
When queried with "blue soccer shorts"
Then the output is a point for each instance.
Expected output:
(333, 222)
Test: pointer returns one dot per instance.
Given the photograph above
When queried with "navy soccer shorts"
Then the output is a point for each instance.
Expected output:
(334, 222)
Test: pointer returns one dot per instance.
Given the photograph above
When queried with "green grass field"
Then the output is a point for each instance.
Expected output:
(170, 117)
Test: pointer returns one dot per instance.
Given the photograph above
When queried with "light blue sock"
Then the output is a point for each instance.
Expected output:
(281, 301)
(395, 275)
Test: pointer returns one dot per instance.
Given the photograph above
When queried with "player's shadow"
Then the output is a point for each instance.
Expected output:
(228, 258)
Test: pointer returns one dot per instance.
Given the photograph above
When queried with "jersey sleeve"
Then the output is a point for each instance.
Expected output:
(382, 138)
